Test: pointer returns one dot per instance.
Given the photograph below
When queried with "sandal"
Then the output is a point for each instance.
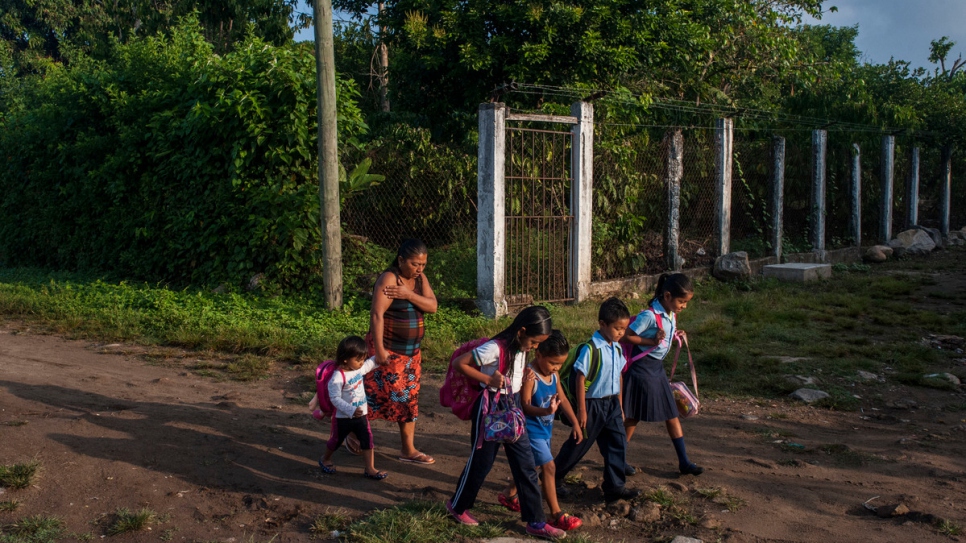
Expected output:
(328, 470)
(377, 476)
(512, 502)
(418, 458)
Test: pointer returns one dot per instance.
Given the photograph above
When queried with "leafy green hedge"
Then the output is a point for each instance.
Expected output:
(169, 162)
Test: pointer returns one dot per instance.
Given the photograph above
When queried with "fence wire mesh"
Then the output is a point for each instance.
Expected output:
(630, 202)
(697, 235)
(838, 191)
(429, 192)
(751, 193)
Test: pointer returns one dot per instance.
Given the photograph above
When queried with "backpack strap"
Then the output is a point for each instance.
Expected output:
(594, 365)
(694, 375)
(645, 352)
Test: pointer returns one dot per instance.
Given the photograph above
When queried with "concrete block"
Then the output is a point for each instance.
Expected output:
(798, 273)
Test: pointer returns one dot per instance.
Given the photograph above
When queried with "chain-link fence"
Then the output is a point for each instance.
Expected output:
(630, 201)
(752, 185)
(697, 227)
(428, 192)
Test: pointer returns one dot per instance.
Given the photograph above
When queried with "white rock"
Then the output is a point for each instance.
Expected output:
(683, 539)
(732, 266)
(867, 376)
(916, 242)
(809, 395)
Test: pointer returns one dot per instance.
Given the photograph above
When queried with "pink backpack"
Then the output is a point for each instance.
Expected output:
(323, 404)
(459, 392)
(628, 347)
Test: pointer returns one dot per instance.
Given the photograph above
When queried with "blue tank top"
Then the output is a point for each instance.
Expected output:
(541, 427)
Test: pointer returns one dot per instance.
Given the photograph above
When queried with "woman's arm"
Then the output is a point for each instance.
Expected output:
(425, 302)
(380, 303)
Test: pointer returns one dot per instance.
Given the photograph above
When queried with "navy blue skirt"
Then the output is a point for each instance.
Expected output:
(647, 395)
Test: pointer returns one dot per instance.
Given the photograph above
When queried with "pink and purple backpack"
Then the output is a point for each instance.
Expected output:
(459, 392)
(323, 408)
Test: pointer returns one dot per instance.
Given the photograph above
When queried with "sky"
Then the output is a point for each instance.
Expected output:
(900, 29)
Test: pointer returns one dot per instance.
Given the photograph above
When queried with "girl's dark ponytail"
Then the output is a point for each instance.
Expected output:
(534, 319)
(659, 291)
(677, 284)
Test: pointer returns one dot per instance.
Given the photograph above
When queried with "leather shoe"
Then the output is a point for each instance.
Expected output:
(623, 494)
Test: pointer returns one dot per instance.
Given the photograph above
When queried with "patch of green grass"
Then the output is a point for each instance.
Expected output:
(709, 492)
(661, 496)
(34, 529)
(16, 423)
(322, 525)
(18, 476)
(9, 506)
(731, 503)
(949, 528)
(417, 522)
(126, 520)
(249, 367)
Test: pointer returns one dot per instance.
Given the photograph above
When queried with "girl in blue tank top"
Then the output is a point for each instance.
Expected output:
(540, 398)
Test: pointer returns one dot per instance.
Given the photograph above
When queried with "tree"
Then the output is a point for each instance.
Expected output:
(447, 56)
(42, 31)
(939, 50)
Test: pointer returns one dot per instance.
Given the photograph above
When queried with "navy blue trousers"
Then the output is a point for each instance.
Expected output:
(605, 426)
(481, 461)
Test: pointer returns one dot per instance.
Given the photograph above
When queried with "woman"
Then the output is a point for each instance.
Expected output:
(401, 295)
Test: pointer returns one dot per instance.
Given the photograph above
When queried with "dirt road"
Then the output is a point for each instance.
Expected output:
(116, 426)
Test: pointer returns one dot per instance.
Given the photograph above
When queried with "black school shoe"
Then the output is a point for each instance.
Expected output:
(691, 469)
(623, 494)
(629, 470)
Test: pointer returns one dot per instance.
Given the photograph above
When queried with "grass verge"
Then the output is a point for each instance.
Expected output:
(34, 529)
(126, 520)
(18, 476)
(417, 522)
(747, 337)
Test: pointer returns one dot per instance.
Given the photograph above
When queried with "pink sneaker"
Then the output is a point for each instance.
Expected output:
(463, 518)
(547, 532)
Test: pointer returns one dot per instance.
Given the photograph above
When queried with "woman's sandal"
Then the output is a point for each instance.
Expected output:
(418, 458)
(377, 476)
(328, 470)
(512, 503)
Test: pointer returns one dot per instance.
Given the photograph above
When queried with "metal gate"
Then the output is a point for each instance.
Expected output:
(539, 221)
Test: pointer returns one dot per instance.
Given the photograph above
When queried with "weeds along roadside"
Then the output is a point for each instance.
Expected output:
(863, 319)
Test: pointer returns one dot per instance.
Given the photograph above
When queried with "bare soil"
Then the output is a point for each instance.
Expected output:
(124, 426)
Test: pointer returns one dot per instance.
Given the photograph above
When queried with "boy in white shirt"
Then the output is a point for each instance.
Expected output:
(348, 395)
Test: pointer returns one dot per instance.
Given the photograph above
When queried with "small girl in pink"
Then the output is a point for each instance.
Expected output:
(348, 396)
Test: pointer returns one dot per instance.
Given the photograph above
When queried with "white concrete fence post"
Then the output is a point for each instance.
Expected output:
(491, 211)
(675, 171)
(724, 133)
(946, 186)
(856, 195)
(778, 197)
(582, 199)
(819, 151)
(888, 169)
(912, 196)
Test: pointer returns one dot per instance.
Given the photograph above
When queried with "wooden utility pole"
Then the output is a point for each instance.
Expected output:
(328, 156)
